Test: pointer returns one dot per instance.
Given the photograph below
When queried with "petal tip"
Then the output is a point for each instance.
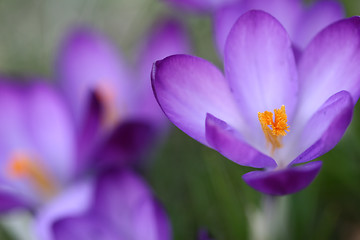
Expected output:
(285, 181)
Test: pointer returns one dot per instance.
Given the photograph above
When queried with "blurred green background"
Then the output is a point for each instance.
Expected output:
(199, 188)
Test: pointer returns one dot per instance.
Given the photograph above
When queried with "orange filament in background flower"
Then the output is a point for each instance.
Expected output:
(21, 165)
(275, 129)
(108, 101)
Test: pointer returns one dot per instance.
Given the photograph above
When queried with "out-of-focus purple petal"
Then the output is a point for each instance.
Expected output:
(14, 137)
(83, 228)
(90, 132)
(314, 19)
(9, 202)
(38, 125)
(151, 221)
(224, 18)
(286, 11)
(13, 131)
(297, 53)
(167, 38)
(260, 66)
(200, 5)
(71, 202)
(231, 144)
(326, 127)
(127, 142)
(51, 130)
(125, 201)
(187, 88)
(122, 208)
(87, 62)
(284, 181)
(328, 65)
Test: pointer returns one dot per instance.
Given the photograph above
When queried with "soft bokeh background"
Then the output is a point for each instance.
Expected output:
(199, 188)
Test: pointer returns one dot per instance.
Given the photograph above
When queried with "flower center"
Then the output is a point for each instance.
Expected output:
(275, 129)
(108, 101)
(23, 166)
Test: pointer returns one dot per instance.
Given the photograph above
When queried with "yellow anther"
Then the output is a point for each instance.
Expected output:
(21, 165)
(275, 129)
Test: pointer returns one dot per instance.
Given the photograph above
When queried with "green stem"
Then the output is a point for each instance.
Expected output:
(269, 223)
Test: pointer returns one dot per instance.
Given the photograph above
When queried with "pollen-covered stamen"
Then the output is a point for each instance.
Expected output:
(22, 165)
(274, 129)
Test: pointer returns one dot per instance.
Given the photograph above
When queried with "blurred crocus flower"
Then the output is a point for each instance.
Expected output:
(301, 22)
(38, 153)
(38, 146)
(119, 205)
(201, 6)
(116, 113)
(312, 101)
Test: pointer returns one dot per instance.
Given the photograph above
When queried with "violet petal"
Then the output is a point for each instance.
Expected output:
(127, 142)
(284, 181)
(330, 64)
(260, 66)
(87, 62)
(318, 16)
(326, 127)
(227, 141)
(167, 38)
(187, 88)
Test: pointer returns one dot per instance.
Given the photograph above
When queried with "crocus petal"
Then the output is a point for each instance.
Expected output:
(167, 38)
(326, 127)
(317, 17)
(284, 181)
(10, 202)
(286, 11)
(83, 227)
(87, 61)
(14, 137)
(200, 5)
(38, 125)
(187, 88)
(151, 221)
(122, 208)
(51, 130)
(229, 143)
(330, 64)
(127, 204)
(127, 142)
(224, 18)
(260, 66)
(13, 132)
(72, 202)
(90, 133)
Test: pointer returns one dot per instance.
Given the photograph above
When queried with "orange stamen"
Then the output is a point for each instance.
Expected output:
(275, 129)
(21, 165)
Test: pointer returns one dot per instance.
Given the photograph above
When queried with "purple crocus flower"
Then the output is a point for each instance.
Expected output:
(114, 108)
(301, 22)
(38, 152)
(313, 99)
(118, 206)
(37, 145)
